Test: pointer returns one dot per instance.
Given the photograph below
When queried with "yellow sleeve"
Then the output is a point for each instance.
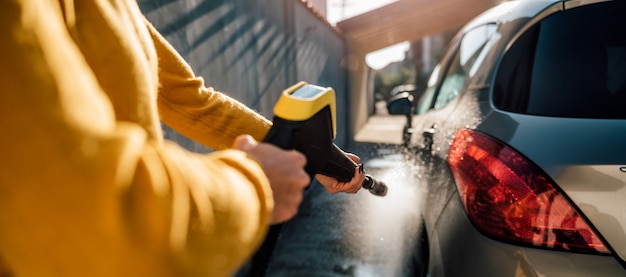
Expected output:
(202, 114)
(82, 194)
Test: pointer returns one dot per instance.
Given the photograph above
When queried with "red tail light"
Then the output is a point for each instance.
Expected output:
(507, 197)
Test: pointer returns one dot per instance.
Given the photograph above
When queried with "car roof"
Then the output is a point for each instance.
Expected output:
(509, 11)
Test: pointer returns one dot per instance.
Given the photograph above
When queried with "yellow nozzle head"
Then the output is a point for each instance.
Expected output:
(302, 101)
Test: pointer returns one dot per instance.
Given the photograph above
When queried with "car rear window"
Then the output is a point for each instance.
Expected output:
(570, 64)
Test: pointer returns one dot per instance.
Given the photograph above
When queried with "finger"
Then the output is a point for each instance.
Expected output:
(355, 189)
(299, 159)
(353, 157)
(304, 180)
(332, 190)
(245, 143)
(352, 187)
(357, 180)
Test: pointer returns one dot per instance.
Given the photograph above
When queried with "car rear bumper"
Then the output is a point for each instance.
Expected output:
(458, 249)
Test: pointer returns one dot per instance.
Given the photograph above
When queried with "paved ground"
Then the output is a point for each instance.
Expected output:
(382, 127)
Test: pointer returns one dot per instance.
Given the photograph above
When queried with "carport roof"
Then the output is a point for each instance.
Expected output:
(408, 20)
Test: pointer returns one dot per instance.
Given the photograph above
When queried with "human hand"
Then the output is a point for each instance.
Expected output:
(285, 171)
(333, 186)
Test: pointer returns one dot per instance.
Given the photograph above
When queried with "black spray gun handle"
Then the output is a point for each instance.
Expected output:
(304, 121)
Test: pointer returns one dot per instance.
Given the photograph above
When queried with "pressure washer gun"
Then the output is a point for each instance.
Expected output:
(304, 120)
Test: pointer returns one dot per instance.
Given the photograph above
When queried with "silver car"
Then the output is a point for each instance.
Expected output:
(521, 138)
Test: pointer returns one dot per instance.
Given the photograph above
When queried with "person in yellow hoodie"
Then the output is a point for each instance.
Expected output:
(88, 186)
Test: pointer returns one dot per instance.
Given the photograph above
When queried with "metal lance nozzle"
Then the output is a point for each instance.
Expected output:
(375, 187)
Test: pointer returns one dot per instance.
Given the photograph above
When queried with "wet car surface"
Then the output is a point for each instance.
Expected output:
(520, 132)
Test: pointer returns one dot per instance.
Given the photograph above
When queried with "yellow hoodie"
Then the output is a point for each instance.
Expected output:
(88, 187)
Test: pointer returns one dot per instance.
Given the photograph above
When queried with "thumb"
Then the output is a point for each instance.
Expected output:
(245, 143)
(353, 157)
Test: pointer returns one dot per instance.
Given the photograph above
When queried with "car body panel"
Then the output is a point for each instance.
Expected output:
(468, 253)
(603, 202)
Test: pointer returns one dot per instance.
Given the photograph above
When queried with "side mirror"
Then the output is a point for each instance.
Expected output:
(401, 103)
